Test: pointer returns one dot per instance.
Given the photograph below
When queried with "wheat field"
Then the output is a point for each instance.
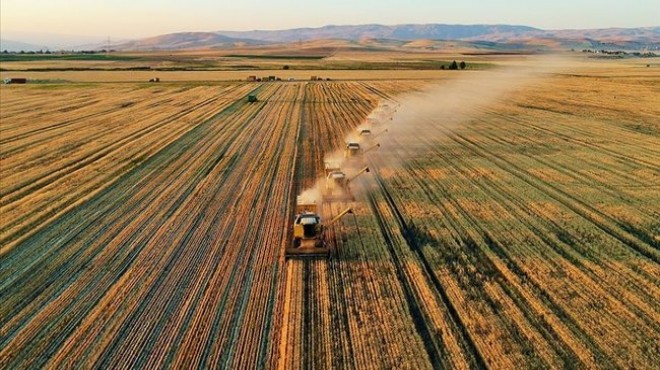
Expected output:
(143, 225)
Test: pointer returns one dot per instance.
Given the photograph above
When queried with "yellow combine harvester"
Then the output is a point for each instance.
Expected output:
(368, 137)
(308, 231)
(354, 150)
(337, 185)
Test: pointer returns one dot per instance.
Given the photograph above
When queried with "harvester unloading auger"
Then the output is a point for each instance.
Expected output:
(378, 134)
(309, 231)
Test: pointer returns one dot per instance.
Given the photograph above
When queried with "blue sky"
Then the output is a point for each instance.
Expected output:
(140, 18)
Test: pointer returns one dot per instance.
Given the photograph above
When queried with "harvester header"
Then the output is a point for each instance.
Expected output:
(306, 204)
(365, 132)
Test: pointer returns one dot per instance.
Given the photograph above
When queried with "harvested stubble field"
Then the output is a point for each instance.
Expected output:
(143, 226)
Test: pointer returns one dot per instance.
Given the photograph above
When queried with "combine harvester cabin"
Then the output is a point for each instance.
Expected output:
(352, 150)
(365, 132)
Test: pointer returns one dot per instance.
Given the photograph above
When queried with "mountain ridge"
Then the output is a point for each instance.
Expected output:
(403, 32)
(501, 34)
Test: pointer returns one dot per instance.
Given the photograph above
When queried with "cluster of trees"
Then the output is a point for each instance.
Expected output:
(647, 54)
(455, 66)
(47, 52)
(28, 52)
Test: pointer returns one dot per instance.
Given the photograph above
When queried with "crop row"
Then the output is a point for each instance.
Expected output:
(51, 163)
(522, 234)
(165, 251)
(538, 270)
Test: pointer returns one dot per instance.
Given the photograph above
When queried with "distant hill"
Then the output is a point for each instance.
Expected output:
(11, 45)
(608, 38)
(496, 37)
(38, 40)
(185, 40)
(647, 35)
(373, 36)
(505, 36)
(404, 32)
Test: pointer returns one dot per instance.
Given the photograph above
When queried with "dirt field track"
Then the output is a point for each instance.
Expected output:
(143, 226)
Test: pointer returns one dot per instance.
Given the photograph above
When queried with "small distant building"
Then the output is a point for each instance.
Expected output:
(252, 78)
